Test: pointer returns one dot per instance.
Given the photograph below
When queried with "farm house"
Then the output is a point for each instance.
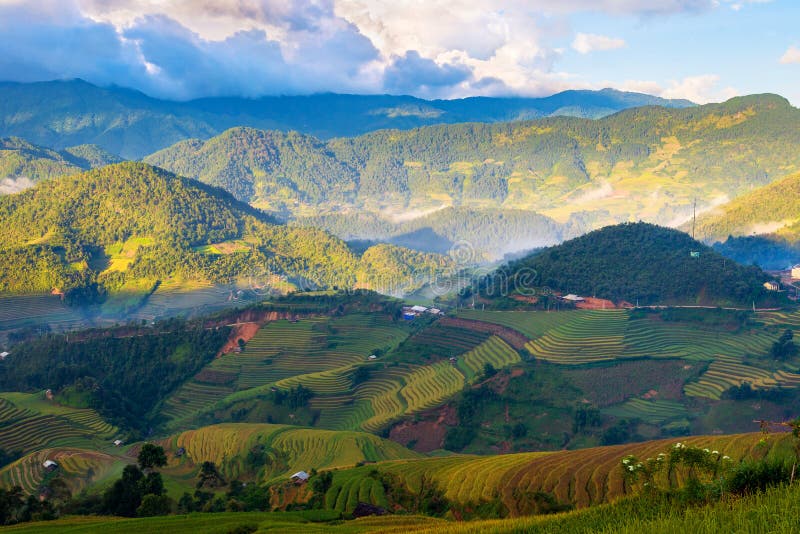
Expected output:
(301, 477)
(4, 355)
(50, 465)
(771, 286)
(573, 298)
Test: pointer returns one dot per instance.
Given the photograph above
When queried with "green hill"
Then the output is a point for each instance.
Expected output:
(132, 124)
(773, 209)
(22, 163)
(639, 262)
(761, 226)
(129, 225)
(645, 163)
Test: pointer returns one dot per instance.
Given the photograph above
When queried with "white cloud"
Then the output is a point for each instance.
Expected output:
(432, 48)
(699, 89)
(590, 42)
(792, 55)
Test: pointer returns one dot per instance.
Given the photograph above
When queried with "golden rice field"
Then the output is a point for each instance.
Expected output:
(293, 449)
(581, 477)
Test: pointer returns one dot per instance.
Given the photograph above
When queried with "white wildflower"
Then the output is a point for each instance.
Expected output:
(716, 453)
(630, 468)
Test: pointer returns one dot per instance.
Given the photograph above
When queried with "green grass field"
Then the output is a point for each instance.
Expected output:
(773, 511)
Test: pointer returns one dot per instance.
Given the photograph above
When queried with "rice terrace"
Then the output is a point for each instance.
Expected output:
(369, 266)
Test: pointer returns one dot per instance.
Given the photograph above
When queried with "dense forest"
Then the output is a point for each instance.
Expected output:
(20, 159)
(90, 372)
(64, 234)
(547, 164)
(640, 262)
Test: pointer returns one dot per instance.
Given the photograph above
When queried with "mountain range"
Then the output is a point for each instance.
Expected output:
(648, 163)
(129, 123)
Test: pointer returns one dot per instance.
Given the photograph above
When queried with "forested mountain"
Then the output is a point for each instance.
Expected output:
(640, 262)
(129, 123)
(761, 226)
(22, 163)
(645, 163)
(771, 209)
(130, 222)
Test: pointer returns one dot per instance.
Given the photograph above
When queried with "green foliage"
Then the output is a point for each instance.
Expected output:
(124, 389)
(151, 456)
(57, 235)
(637, 262)
(784, 348)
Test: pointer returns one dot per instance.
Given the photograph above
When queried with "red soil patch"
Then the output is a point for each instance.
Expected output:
(523, 298)
(510, 336)
(244, 331)
(427, 434)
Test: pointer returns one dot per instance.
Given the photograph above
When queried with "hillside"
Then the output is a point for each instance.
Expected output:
(639, 262)
(22, 163)
(646, 163)
(447, 228)
(129, 123)
(761, 226)
(129, 225)
(773, 209)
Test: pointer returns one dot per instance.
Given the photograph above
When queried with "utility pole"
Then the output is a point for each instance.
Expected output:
(694, 215)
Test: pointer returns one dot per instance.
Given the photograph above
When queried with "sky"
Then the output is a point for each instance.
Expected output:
(702, 50)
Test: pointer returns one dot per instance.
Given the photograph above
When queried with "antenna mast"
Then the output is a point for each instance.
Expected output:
(694, 215)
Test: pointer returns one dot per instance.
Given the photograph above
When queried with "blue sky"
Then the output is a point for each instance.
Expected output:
(703, 50)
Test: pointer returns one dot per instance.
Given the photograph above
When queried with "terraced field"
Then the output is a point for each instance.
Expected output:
(531, 323)
(581, 477)
(652, 411)
(183, 298)
(80, 468)
(585, 337)
(317, 352)
(645, 338)
(404, 389)
(17, 311)
(28, 423)
(725, 372)
(291, 448)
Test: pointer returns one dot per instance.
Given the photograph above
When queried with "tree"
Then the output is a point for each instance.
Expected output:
(488, 370)
(124, 497)
(153, 505)
(151, 456)
(784, 348)
(209, 476)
